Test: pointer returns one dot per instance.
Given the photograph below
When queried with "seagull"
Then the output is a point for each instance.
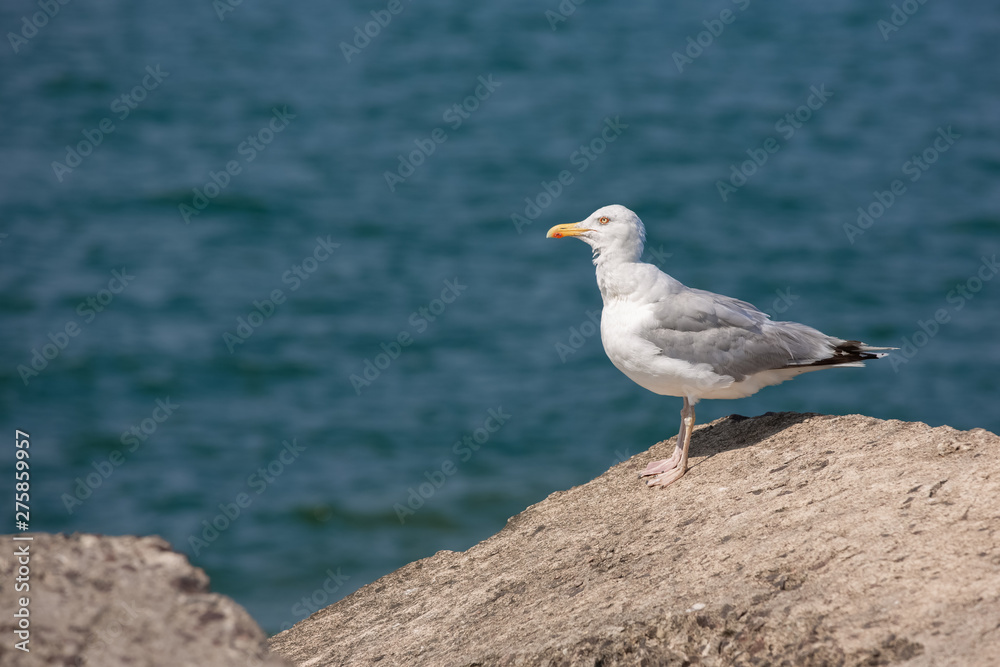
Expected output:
(675, 340)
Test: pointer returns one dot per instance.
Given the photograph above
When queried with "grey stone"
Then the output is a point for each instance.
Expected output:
(117, 601)
(795, 539)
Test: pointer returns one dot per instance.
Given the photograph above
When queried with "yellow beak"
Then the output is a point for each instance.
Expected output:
(559, 231)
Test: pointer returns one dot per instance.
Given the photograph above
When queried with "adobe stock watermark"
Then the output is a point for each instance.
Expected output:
(782, 303)
(258, 482)
(318, 599)
(579, 334)
(656, 256)
(419, 321)
(786, 127)
(263, 310)
(455, 116)
(464, 448)
(31, 25)
(562, 12)
(249, 149)
(957, 298)
(223, 7)
(914, 168)
(122, 106)
(714, 28)
(621, 456)
(581, 159)
(61, 338)
(899, 17)
(363, 35)
(135, 436)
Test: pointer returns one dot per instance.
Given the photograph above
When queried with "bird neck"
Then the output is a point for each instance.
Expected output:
(614, 279)
(617, 255)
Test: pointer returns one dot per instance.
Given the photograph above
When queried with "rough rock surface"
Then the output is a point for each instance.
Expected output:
(795, 539)
(111, 601)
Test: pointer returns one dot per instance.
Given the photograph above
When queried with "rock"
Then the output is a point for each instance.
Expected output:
(794, 539)
(109, 601)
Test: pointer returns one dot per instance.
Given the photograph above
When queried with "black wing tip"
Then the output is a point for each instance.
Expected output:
(852, 352)
(863, 349)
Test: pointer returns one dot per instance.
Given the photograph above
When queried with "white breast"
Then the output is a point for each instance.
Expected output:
(642, 362)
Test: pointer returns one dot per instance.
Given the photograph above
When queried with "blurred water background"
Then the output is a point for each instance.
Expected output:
(277, 124)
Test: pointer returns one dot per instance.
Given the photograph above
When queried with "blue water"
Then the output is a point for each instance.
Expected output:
(271, 82)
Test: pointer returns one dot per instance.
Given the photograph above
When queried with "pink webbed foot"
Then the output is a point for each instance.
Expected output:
(658, 467)
(667, 478)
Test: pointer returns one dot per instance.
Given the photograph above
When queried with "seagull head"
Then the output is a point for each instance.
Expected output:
(614, 232)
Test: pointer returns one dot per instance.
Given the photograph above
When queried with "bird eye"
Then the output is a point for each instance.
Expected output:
(604, 220)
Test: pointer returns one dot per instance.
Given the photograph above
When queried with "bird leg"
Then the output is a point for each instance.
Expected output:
(657, 467)
(670, 470)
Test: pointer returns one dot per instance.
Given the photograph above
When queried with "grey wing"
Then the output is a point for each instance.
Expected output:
(732, 336)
